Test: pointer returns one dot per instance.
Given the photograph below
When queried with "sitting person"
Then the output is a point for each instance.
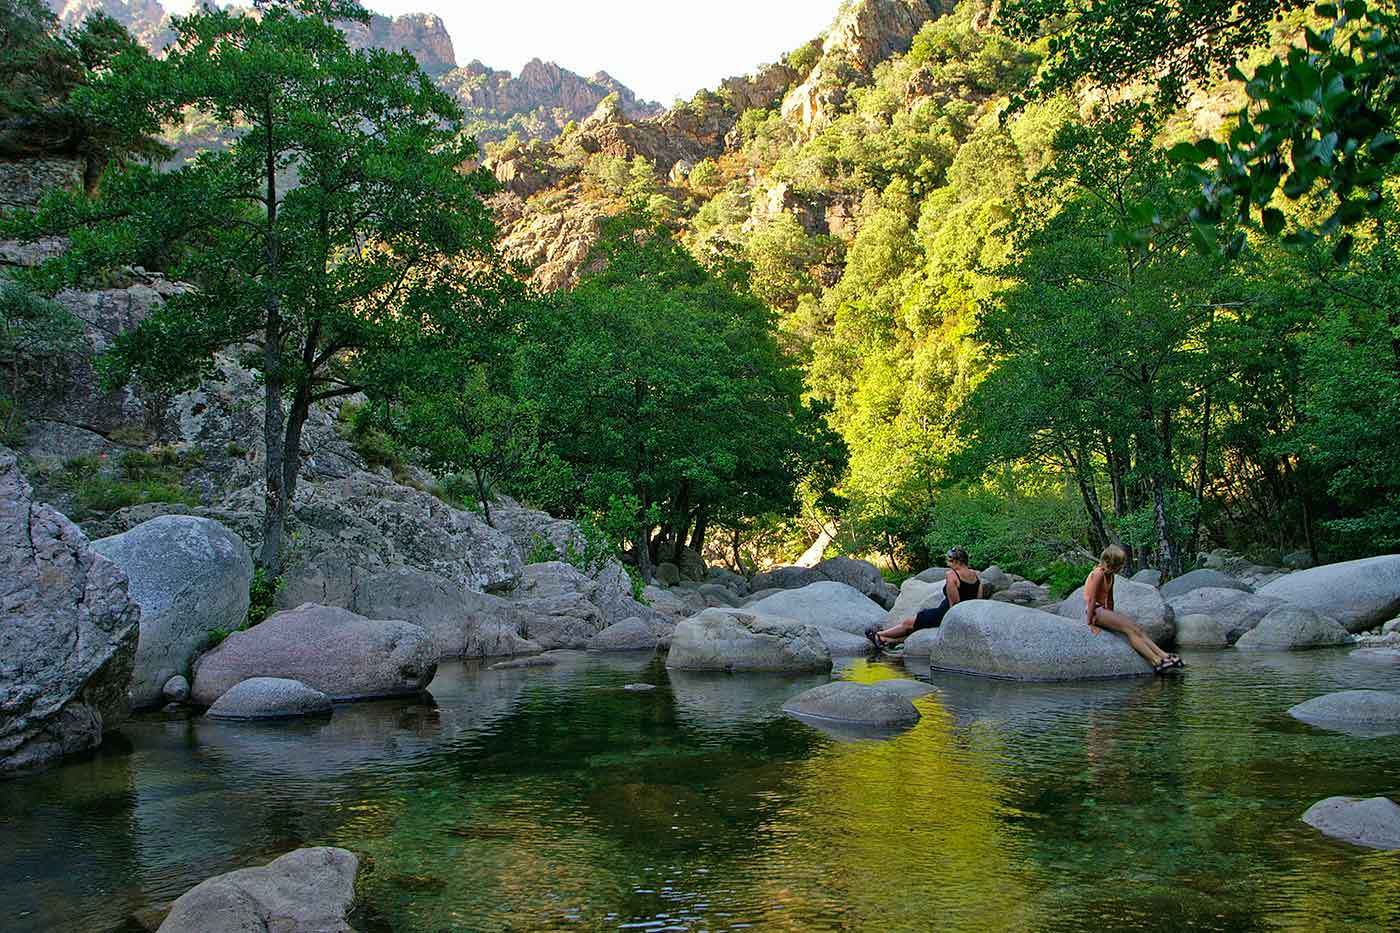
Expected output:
(960, 583)
(1100, 614)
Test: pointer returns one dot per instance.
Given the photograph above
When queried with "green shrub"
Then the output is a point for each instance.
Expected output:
(99, 494)
(541, 550)
(262, 596)
(216, 638)
(374, 446)
(1064, 578)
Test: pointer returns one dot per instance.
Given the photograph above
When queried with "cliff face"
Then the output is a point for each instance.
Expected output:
(421, 34)
(863, 35)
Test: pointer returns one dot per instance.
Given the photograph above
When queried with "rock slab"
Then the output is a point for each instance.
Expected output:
(826, 604)
(190, 575)
(335, 651)
(69, 632)
(1360, 594)
(306, 891)
(849, 702)
(1350, 707)
(739, 640)
(270, 698)
(1374, 823)
(627, 635)
(1234, 612)
(1199, 579)
(1289, 628)
(993, 639)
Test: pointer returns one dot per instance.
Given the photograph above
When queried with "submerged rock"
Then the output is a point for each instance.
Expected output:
(1140, 602)
(515, 664)
(1374, 823)
(994, 639)
(306, 891)
(269, 698)
(68, 636)
(1199, 579)
(849, 702)
(739, 640)
(344, 655)
(1359, 594)
(190, 576)
(1291, 628)
(825, 605)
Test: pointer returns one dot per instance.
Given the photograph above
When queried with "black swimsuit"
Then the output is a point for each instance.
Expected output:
(933, 618)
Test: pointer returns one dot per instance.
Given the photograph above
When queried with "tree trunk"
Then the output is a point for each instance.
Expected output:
(1194, 544)
(277, 498)
(697, 537)
(1098, 527)
(480, 478)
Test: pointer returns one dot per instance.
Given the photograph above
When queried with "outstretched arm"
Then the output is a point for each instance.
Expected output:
(1091, 594)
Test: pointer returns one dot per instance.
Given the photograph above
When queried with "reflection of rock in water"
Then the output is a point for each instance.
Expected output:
(383, 734)
(71, 841)
(733, 702)
(1031, 707)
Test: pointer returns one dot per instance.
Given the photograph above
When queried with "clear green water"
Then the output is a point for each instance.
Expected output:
(549, 799)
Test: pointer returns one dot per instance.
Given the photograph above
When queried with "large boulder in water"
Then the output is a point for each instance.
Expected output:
(1291, 628)
(68, 637)
(335, 651)
(1374, 823)
(1354, 711)
(190, 575)
(1199, 579)
(994, 639)
(628, 635)
(1360, 594)
(306, 891)
(1140, 602)
(845, 701)
(826, 604)
(739, 640)
(461, 623)
(1234, 611)
(860, 575)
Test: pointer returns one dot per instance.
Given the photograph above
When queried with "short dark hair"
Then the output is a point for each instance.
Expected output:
(958, 554)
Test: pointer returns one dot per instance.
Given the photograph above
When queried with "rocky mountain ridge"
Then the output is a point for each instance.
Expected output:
(536, 104)
(550, 213)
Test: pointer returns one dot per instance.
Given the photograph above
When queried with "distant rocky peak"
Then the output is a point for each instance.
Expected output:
(423, 35)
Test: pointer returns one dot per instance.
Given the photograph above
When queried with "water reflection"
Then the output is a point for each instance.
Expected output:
(549, 798)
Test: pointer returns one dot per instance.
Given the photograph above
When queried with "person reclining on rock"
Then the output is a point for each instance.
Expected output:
(1100, 614)
(960, 583)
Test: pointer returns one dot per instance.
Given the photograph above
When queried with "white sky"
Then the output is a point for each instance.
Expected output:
(661, 49)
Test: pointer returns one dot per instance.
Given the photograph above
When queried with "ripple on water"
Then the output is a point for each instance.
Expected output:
(552, 799)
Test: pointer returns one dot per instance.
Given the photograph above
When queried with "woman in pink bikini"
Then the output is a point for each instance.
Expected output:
(1100, 614)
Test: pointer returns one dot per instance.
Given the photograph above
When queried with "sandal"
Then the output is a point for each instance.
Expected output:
(1162, 666)
(1174, 660)
(873, 635)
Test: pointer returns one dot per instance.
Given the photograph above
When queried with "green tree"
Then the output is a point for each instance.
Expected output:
(41, 68)
(666, 389)
(336, 230)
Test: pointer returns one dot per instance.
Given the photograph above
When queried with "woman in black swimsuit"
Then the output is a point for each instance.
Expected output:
(960, 583)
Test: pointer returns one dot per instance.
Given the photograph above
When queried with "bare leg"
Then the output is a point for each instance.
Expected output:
(1136, 635)
(897, 632)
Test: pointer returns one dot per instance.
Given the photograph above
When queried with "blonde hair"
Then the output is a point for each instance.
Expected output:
(1113, 558)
